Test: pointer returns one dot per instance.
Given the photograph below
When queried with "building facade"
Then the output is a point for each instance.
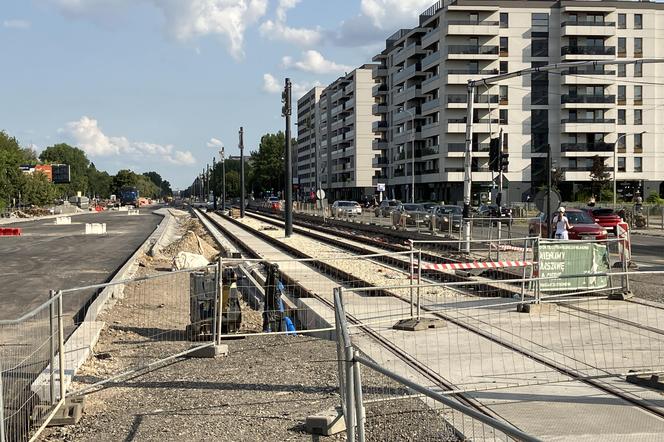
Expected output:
(306, 156)
(421, 96)
(344, 135)
(418, 88)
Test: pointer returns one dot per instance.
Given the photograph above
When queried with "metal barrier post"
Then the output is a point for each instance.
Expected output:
(419, 280)
(525, 269)
(499, 225)
(2, 408)
(359, 402)
(217, 294)
(61, 346)
(350, 391)
(219, 311)
(625, 264)
(412, 275)
(51, 340)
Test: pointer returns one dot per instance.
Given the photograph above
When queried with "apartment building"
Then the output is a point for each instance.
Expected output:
(420, 100)
(306, 149)
(345, 131)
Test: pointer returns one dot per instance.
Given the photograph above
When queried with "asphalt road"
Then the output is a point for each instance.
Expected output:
(50, 256)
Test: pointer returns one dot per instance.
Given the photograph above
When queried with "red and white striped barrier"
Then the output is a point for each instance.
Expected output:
(476, 265)
(509, 247)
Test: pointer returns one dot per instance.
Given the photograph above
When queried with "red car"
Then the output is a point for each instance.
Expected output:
(606, 218)
(583, 226)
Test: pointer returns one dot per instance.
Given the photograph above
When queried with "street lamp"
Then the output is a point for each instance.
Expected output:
(412, 119)
(222, 158)
(615, 168)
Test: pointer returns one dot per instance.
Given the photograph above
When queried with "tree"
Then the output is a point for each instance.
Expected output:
(78, 163)
(232, 184)
(599, 175)
(11, 177)
(37, 190)
(268, 164)
(124, 178)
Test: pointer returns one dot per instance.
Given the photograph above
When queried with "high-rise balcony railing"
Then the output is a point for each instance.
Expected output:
(587, 147)
(588, 50)
(609, 24)
(588, 99)
(472, 50)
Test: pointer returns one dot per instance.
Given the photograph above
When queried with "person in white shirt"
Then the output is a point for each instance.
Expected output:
(561, 224)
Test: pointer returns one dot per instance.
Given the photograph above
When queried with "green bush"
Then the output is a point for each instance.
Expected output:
(654, 198)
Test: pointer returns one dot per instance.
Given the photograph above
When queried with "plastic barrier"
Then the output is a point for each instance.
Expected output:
(11, 231)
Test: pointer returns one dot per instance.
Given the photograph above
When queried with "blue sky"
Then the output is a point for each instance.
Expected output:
(160, 84)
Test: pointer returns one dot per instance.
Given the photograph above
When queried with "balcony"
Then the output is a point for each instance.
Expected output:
(379, 126)
(472, 27)
(471, 52)
(378, 179)
(430, 60)
(431, 37)
(587, 147)
(378, 144)
(378, 109)
(574, 28)
(379, 89)
(458, 125)
(583, 52)
(456, 147)
(460, 100)
(379, 72)
(585, 76)
(587, 101)
(601, 125)
(406, 53)
(379, 162)
(430, 83)
(402, 115)
(407, 94)
(430, 105)
(406, 73)
(461, 76)
(430, 130)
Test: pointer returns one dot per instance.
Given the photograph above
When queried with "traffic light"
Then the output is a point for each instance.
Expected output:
(504, 162)
(494, 154)
(286, 99)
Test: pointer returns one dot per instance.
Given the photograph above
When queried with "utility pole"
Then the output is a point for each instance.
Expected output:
(288, 172)
(241, 172)
(222, 159)
(467, 167)
(549, 164)
(214, 185)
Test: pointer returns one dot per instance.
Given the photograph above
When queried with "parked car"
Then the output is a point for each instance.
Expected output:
(415, 214)
(448, 214)
(429, 206)
(345, 209)
(606, 218)
(274, 203)
(491, 211)
(583, 226)
(386, 207)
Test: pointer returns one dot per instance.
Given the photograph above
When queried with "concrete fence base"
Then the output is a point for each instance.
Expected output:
(61, 220)
(95, 228)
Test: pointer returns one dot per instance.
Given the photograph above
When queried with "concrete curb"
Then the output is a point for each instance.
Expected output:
(641, 233)
(81, 342)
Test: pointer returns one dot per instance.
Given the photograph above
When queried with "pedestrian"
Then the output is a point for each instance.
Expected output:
(561, 224)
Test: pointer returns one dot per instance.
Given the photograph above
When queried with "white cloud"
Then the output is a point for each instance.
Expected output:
(277, 30)
(270, 84)
(87, 134)
(16, 24)
(215, 143)
(185, 19)
(313, 61)
(394, 14)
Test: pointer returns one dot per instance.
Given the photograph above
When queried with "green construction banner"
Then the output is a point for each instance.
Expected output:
(558, 259)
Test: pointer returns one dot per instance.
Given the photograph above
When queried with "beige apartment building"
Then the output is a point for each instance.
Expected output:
(345, 131)
(420, 96)
(306, 149)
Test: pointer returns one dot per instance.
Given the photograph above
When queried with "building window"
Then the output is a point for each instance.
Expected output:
(572, 164)
(638, 143)
(540, 20)
(504, 47)
(638, 69)
(539, 94)
(622, 47)
(622, 70)
(539, 44)
(503, 67)
(503, 119)
(505, 143)
(622, 119)
(621, 145)
(503, 94)
(638, 95)
(474, 17)
(504, 20)
(621, 164)
(638, 117)
(638, 21)
(638, 47)
(622, 21)
(622, 95)
(638, 164)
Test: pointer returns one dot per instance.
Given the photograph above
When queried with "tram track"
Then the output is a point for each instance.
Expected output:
(567, 371)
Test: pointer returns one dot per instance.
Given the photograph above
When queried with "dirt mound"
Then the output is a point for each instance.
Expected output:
(192, 243)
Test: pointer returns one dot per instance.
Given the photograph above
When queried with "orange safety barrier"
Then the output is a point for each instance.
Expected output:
(11, 231)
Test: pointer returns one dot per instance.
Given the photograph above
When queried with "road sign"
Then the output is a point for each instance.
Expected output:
(320, 194)
(540, 200)
(380, 187)
(506, 182)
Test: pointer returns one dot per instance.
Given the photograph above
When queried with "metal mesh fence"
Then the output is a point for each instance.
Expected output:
(30, 355)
